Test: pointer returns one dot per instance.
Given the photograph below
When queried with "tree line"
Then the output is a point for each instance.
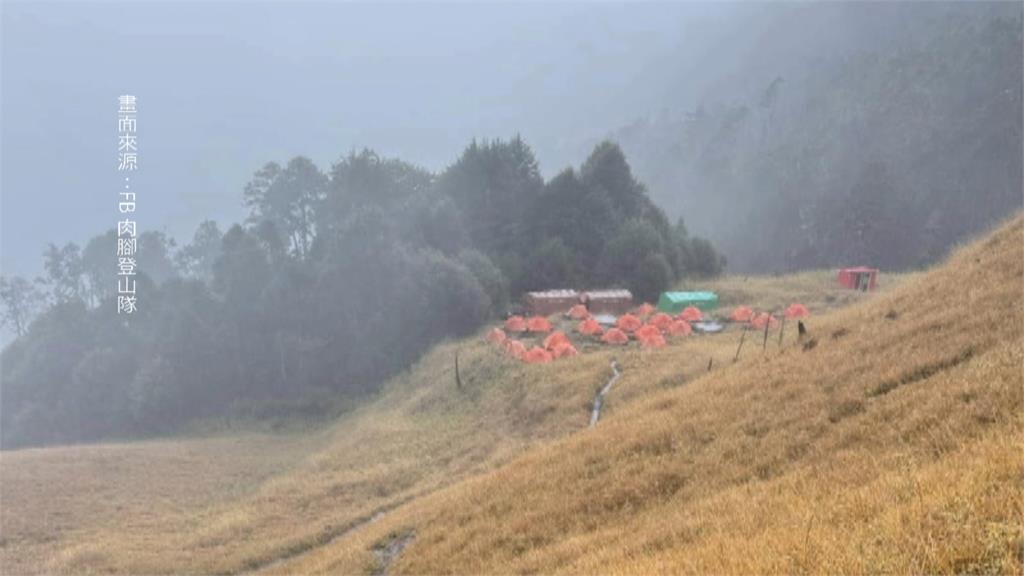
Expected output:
(884, 155)
(335, 281)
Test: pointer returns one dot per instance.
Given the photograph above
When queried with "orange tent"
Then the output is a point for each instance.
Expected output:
(615, 336)
(514, 348)
(653, 341)
(554, 339)
(644, 310)
(661, 320)
(497, 336)
(538, 324)
(679, 328)
(564, 350)
(579, 312)
(796, 311)
(515, 324)
(628, 323)
(742, 314)
(645, 331)
(537, 355)
(649, 336)
(589, 327)
(762, 319)
(691, 314)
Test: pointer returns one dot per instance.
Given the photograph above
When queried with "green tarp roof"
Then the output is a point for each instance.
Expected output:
(674, 302)
(689, 296)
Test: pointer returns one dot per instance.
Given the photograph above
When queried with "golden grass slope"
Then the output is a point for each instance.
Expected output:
(142, 508)
(894, 444)
(53, 497)
(244, 501)
(299, 503)
(252, 501)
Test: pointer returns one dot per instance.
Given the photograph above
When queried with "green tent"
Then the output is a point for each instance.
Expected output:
(674, 302)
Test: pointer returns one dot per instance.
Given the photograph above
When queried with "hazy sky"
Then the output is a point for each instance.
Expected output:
(223, 88)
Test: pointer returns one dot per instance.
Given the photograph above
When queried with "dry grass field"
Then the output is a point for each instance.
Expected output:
(51, 498)
(142, 508)
(892, 444)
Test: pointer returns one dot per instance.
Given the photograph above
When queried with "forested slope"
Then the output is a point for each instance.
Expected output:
(857, 134)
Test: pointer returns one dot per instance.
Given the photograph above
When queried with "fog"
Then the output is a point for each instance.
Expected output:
(423, 287)
(224, 88)
(302, 163)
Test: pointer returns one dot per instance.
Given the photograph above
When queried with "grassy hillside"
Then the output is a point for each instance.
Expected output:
(52, 498)
(893, 445)
(421, 434)
(503, 474)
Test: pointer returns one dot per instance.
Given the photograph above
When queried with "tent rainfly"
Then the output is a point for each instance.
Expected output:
(590, 327)
(673, 303)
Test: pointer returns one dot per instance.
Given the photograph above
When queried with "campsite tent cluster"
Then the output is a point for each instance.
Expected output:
(759, 320)
(645, 325)
(648, 326)
(555, 345)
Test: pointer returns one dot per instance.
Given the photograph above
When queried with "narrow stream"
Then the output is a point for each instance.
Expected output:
(327, 538)
(387, 553)
(599, 399)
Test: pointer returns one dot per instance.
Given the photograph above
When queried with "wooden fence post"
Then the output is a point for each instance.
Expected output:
(740, 347)
(458, 380)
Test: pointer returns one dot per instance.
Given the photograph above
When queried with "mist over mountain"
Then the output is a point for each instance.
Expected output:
(226, 87)
(839, 134)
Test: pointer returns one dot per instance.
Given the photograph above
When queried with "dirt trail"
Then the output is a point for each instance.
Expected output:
(599, 399)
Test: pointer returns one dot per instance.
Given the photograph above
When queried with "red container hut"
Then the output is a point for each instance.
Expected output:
(859, 278)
